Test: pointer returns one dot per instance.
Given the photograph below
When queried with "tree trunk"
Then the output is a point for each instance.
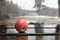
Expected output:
(2, 4)
(58, 8)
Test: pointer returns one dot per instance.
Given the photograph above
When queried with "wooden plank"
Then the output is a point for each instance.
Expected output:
(3, 22)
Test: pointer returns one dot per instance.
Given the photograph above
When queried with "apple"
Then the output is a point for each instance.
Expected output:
(21, 25)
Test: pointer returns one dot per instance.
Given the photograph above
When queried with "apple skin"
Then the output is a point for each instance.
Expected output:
(21, 25)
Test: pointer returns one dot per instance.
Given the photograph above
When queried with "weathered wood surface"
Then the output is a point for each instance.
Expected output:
(3, 22)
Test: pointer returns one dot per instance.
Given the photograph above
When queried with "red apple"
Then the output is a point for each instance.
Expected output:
(21, 25)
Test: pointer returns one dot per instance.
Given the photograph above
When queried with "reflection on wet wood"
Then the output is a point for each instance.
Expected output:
(21, 37)
(39, 37)
(4, 28)
(57, 31)
(39, 31)
(3, 37)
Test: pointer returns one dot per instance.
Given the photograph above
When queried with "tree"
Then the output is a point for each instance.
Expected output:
(59, 8)
(38, 5)
(2, 5)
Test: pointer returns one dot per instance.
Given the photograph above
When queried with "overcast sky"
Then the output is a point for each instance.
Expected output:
(25, 4)
(51, 3)
(28, 4)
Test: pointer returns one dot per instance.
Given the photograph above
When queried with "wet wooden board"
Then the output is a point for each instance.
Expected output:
(3, 22)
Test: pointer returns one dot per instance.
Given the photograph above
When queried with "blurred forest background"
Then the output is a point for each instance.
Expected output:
(8, 10)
